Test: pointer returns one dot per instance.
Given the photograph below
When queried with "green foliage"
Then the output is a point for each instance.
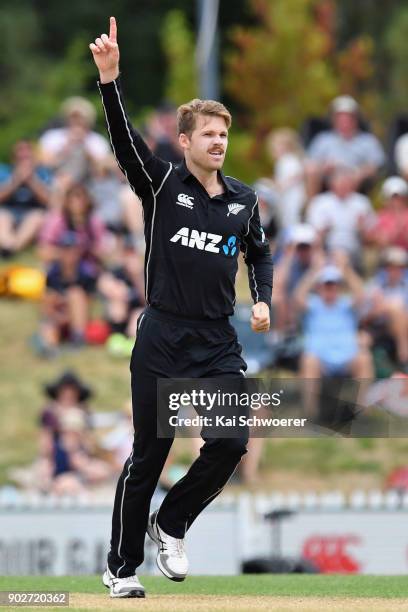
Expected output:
(35, 85)
(279, 69)
(178, 45)
(244, 160)
(396, 43)
(286, 68)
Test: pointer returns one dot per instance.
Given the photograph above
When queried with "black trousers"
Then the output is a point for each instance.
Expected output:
(171, 347)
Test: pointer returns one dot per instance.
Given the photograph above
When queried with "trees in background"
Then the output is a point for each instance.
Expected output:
(287, 66)
(179, 50)
(282, 60)
(33, 83)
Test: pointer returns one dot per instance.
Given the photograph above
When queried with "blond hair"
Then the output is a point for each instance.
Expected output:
(287, 138)
(187, 114)
(80, 106)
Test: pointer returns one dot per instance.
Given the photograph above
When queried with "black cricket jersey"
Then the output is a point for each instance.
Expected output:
(192, 240)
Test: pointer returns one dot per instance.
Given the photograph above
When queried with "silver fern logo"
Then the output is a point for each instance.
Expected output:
(234, 208)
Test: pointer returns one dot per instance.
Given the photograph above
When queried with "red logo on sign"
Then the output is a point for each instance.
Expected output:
(330, 553)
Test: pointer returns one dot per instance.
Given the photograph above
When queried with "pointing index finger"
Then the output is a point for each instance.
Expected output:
(113, 30)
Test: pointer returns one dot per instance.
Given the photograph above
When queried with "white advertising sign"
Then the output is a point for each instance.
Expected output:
(70, 542)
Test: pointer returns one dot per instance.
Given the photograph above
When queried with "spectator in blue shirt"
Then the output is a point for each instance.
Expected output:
(330, 327)
(300, 252)
(330, 323)
(24, 197)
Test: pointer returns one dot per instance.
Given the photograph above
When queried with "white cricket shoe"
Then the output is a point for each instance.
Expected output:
(171, 557)
(122, 587)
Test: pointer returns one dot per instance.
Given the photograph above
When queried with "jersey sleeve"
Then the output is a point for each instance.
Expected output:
(144, 171)
(258, 258)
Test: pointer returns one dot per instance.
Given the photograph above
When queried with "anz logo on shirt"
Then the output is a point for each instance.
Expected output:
(205, 241)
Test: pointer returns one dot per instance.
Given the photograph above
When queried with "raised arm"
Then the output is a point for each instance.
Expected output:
(144, 171)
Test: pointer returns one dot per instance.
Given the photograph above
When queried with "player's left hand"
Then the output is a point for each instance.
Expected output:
(260, 320)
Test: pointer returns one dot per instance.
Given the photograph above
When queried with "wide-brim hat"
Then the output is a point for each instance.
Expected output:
(68, 378)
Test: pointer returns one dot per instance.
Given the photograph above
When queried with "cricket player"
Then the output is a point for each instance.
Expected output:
(196, 220)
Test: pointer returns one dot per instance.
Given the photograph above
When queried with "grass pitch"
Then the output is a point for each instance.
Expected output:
(231, 593)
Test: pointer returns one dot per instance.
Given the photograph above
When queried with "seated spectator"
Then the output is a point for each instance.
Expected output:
(115, 203)
(330, 328)
(122, 288)
(104, 184)
(387, 301)
(286, 151)
(72, 244)
(341, 215)
(24, 197)
(69, 150)
(344, 145)
(268, 207)
(300, 253)
(66, 449)
(391, 228)
(401, 155)
(162, 134)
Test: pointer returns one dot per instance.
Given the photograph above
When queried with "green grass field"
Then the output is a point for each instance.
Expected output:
(237, 593)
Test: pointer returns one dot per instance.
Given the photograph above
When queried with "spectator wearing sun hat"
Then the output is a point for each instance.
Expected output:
(299, 253)
(345, 145)
(391, 228)
(67, 449)
(65, 392)
(330, 325)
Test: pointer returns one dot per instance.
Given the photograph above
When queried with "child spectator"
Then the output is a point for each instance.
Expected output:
(72, 244)
(24, 197)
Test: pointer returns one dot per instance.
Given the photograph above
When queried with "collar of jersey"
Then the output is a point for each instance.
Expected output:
(184, 173)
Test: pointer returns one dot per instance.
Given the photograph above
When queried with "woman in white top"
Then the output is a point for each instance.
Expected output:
(286, 151)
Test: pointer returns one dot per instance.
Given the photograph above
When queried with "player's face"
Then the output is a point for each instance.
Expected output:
(207, 145)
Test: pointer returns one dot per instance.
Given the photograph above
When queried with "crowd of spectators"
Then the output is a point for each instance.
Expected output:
(65, 196)
(338, 228)
(336, 222)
